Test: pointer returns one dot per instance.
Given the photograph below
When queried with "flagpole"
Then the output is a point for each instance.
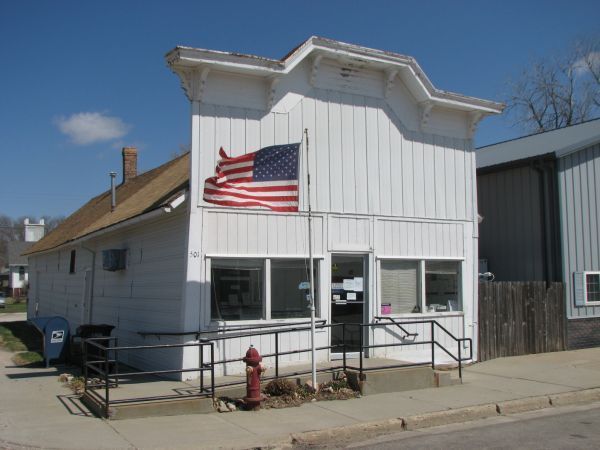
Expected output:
(312, 275)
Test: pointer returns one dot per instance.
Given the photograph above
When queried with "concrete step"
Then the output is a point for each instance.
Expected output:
(399, 379)
(137, 410)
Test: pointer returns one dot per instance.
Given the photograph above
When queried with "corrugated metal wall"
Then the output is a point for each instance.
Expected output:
(511, 234)
(579, 178)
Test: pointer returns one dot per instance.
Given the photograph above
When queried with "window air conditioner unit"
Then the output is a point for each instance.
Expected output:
(114, 259)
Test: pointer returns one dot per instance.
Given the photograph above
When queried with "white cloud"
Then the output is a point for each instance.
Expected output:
(90, 127)
(591, 60)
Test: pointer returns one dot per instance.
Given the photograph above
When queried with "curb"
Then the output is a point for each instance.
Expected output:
(523, 405)
(348, 432)
(451, 416)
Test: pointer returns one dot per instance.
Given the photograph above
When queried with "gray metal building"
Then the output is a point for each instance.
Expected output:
(539, 196)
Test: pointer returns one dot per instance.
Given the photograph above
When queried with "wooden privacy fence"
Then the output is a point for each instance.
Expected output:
(519, 318)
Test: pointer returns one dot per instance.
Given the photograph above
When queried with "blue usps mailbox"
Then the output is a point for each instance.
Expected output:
(55, 332)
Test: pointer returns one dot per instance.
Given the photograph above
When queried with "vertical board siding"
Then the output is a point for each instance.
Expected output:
(391, 335)
(227, 232)
(349, 233)
(362, 159)
(234, 348)
(420, 239)
(579, 184)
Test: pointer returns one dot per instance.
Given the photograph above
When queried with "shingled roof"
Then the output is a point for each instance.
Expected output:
(142, 194)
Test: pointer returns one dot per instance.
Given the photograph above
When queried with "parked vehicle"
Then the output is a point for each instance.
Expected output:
(2, 301)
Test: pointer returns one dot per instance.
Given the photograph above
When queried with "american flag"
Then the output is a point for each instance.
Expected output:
(266, 178)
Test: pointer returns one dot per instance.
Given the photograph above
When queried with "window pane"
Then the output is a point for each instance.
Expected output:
(592, 281)
(287, 301)
(237, 289)
(442, 286)
(400, 287)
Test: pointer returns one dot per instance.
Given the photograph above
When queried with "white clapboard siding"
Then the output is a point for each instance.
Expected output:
(56, 291)
(144, 297)
(363, 159)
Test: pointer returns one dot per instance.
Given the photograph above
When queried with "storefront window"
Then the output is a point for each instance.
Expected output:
(287, 299)
(442, 286)
(237, 289)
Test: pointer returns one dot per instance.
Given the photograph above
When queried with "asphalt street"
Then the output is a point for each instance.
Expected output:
(561, 428)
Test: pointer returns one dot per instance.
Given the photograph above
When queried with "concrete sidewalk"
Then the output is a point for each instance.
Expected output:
(36, 411)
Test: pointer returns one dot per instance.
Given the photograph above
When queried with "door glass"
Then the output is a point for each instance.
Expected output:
(348, 295)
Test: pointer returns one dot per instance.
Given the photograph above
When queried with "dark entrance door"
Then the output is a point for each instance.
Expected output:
(348, 299)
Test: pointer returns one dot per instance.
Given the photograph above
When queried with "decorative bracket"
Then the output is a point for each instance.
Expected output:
(193, 82)
(390, 76)
(271, 91)
(474, 119)
(425, 112)
(315, 68)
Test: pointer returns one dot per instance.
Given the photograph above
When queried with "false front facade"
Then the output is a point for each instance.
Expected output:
(393, 196)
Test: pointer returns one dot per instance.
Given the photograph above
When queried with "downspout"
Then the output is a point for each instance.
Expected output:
(544, 171)
(91, 309)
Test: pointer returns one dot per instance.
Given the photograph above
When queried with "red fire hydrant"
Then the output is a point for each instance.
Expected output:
(253, 370)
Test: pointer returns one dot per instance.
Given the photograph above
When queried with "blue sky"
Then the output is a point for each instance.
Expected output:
(80, 79)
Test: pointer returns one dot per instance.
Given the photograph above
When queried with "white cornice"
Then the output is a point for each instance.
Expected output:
(185, 58)
(474, 119)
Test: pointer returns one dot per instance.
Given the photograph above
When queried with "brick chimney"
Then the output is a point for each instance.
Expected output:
(129, 163)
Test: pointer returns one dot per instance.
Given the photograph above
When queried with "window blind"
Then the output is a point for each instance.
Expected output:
(399, 285)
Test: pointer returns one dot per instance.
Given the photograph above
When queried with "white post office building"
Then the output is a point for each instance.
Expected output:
(393, 196)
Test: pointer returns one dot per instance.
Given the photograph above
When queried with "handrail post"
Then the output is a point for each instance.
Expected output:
(459, 362)
(432, 345)
(85, 366)
(360, 350)
(344, 344)
(116, 363)
(212, 368)
(201, 359)
(276, 354)
(106, 386)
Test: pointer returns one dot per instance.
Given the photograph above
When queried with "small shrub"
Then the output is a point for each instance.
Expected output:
(337, 385)
(280, 387)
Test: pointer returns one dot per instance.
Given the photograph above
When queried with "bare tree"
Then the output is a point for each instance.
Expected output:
(554, 93)
(14, 230)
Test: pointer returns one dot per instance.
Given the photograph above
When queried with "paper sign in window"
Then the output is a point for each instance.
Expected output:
(348, 284)
(358, 284)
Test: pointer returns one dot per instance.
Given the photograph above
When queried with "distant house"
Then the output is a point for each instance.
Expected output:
(393, 198)
(540, 200)
(18, 277)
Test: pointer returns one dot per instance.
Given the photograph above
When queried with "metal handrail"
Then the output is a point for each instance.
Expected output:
(404, 330)
(109, 346)
(225, 329)
(110, 377)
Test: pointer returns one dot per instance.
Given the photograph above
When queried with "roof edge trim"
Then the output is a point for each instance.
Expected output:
(188, 57)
